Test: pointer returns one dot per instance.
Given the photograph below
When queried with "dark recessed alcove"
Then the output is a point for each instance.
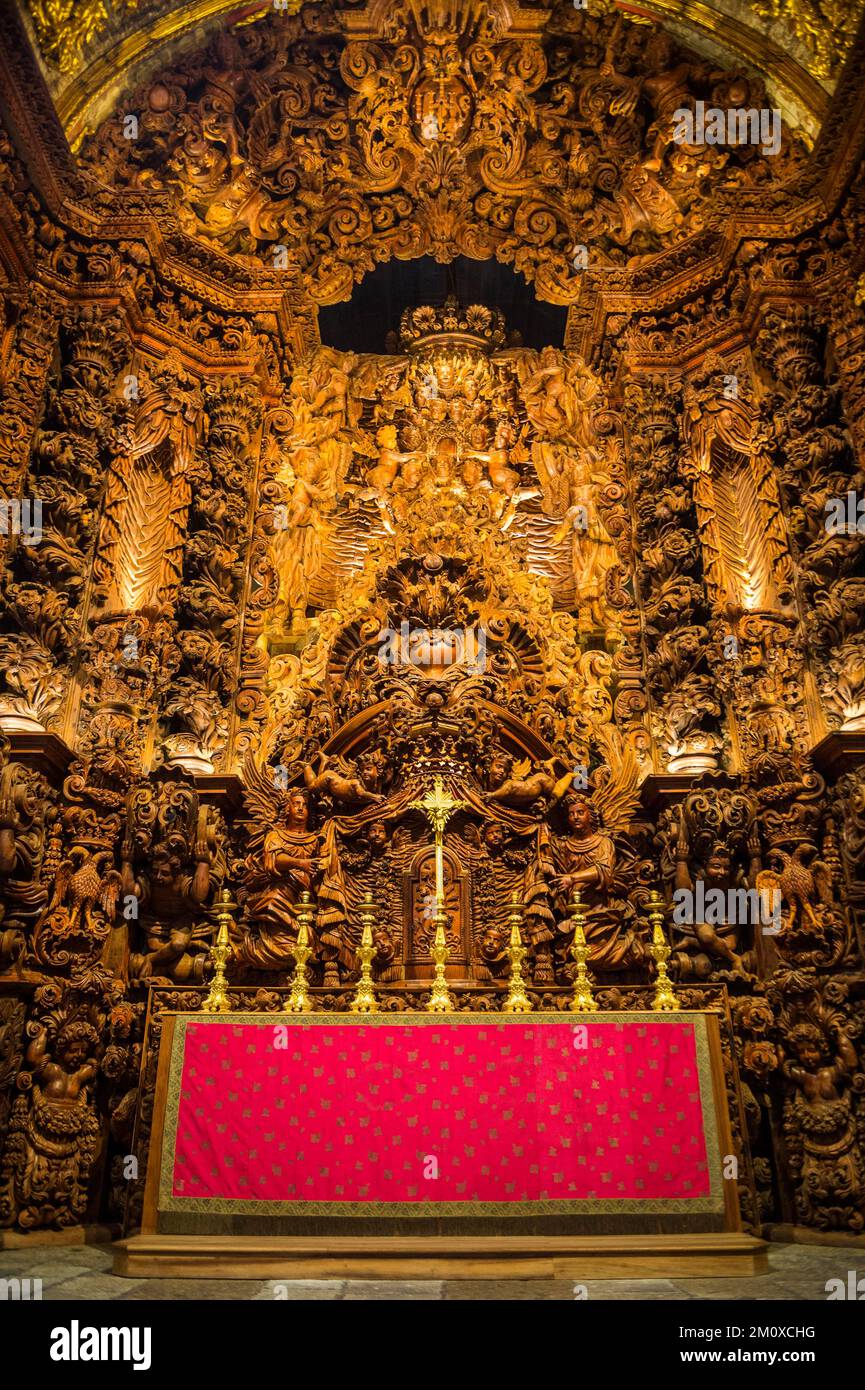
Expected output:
(362, 323)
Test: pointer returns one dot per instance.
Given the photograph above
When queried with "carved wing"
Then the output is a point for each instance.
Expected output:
(109, 892)
(822, 880)
(768, 883)
(260, 796)
(522, 770)
(363, 443)
(148, 503)
(618, 793)
(64, 873)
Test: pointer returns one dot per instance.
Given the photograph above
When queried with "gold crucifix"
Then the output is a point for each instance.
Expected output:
(438, 805)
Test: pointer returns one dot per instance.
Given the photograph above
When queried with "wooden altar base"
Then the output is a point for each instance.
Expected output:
(718, 1255)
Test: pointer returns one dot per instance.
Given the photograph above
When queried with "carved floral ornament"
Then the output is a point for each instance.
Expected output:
(86, 45)
(547, 143)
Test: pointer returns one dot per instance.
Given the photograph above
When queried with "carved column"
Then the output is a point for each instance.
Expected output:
(198, 719)
(685, 713)
(816, 469)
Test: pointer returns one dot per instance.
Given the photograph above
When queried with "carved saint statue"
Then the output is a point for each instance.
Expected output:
(288, 863)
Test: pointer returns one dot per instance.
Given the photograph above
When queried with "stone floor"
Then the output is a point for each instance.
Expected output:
(798, 1272)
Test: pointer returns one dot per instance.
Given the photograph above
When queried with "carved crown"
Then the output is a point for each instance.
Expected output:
(475, 326)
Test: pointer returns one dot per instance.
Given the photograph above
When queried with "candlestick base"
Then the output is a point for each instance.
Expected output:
(440, 1001)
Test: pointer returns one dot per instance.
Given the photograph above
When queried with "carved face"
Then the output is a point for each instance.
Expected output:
(580, 815)
(659, 50)
(368, 767)
(73, 1052)
(810, 1052)
(377, 834)
(165, 867)
(494, 835)
(386, 436)
(718, 866)
(500, 769)
(298, 809)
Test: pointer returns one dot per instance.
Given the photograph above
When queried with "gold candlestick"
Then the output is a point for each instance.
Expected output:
(298, 1001)
(440, 1001)
(217, 1001)
(364, 1001)
(584, 1001)
(517, 1002)
(665, 999)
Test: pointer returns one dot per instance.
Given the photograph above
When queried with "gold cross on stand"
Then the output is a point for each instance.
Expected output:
(438, 806)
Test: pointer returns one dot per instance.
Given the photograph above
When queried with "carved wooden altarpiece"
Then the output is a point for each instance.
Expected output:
(274, 590)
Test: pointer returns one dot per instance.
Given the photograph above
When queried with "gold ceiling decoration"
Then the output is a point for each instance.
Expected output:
(522, 139)
(91, 47)
(825, 30)
(66, 29)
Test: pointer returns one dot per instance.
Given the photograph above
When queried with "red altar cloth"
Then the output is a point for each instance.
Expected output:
(447, 1114)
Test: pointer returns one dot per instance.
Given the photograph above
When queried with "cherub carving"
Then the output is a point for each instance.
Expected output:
(171, 898)
(819, 1122)
(710, 944)
(53, 1132)
(524, 788)
(338, 778)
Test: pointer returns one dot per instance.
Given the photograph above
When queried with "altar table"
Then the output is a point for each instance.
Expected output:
(464, 1122)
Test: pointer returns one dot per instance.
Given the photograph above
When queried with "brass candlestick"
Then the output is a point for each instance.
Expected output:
(440, 1001)
(364, 1001)
(517, 1002)
(665, 999)
(298, 1001)
(217, 1001)
(584, 1001)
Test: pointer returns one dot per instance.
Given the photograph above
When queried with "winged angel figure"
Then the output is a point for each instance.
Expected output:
(285, 858)
(588, 859)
